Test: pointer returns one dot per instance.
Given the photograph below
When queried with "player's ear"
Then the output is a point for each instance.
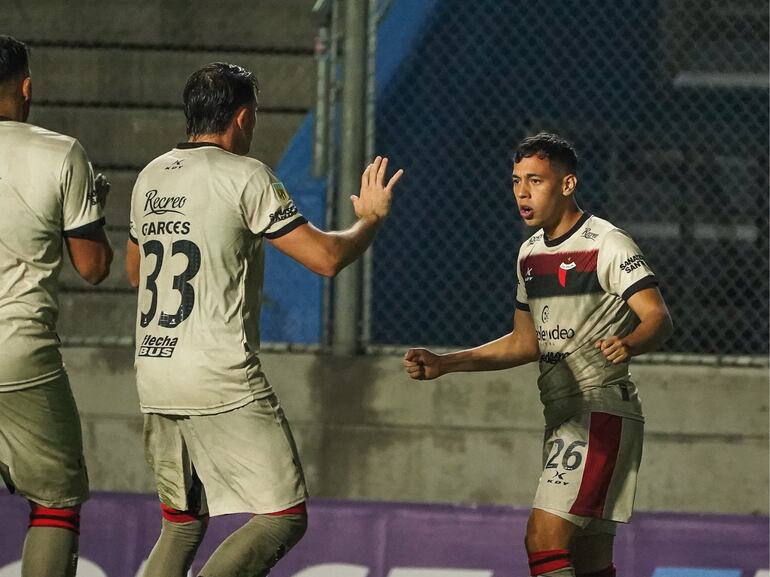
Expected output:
(26, 88)
(241, 117)
(569, 184)
(26, 95)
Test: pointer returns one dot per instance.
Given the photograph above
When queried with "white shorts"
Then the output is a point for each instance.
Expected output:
(240, 461)
(590, 465)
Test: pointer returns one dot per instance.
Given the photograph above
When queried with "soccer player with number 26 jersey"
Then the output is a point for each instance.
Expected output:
(586, 302)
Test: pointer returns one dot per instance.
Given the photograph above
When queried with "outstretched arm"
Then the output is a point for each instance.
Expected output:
(327, 253)
(654, 328)
(518, 347)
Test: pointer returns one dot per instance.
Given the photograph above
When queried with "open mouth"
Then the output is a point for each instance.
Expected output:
(526, 212)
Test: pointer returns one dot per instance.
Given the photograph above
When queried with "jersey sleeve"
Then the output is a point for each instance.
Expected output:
(522, 302)
(267, 207)
(622, 269)
(82, 215)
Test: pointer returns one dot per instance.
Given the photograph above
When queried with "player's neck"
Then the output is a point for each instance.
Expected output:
(568, 219)
(220, 140)
(228, 140)
(9, 110)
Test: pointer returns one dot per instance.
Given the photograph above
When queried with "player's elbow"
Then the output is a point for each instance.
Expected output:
(97, 269)
(133, 279)
(329, 269)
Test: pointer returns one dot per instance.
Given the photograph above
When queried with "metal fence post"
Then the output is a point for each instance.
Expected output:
(348, 284)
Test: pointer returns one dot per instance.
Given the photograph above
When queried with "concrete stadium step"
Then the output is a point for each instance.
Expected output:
(157, 78)
(69, 279)
(132, 137)
(96, 316)
(285, 24)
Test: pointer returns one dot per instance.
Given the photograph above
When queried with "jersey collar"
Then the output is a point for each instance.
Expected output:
(201, 144)
(575, 227)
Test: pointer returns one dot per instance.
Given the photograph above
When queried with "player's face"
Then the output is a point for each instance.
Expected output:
(538, 188)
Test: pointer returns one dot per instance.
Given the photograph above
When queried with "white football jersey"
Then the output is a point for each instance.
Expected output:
(199, 215)
(576, 287)
(46, 192)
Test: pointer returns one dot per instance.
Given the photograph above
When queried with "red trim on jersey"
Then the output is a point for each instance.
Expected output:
(603, 446)
(548, 264)
(300, 509)
(547, 561)
(176, 516)
(64, 518)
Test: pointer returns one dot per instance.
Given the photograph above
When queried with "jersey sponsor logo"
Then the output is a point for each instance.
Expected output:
(156, 204)
(553, 358)
(563, 268)
(160, 347)
(558, 478)
(534, 239)
(528, 274)
(176, 165)
(280, 191)
(558, 333)
(589, 235)
(545, 314)
(282, 214)
(165, 227)
(632, 263)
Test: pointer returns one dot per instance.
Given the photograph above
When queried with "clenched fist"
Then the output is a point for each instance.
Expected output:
(422, 365)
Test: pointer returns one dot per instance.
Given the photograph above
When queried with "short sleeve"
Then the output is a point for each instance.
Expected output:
(132, 230)
(622, 269)
(82, 214)
(522, 302)
(267, 207)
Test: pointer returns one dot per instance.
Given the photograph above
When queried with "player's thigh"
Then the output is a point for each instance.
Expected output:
(546, 531)
(41, 444)
(591, 467)
(167, 454)
(247, 459)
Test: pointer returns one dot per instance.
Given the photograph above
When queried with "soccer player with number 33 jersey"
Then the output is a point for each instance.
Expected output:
(215, 434)
(586, 302)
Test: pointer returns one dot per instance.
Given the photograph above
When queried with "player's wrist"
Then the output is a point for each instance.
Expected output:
(371, 219)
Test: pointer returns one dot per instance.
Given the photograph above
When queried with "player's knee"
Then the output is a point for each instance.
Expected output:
(60, 518)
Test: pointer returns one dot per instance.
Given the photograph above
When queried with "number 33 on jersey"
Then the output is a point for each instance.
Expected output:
(200, 233)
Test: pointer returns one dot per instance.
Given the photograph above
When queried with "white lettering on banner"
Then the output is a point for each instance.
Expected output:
(415, 572)
(85, 569)
(334, 570)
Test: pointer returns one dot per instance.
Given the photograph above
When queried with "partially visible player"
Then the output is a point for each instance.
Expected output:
(596, 304)
(215, 434)
(48, 198)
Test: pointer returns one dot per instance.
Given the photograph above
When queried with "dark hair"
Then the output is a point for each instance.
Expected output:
(14, 59)
(550, 146)
(213, 94)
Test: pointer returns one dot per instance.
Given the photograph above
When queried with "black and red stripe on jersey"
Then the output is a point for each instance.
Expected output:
(561, 274)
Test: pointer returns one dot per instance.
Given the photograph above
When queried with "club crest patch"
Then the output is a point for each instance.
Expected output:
(280, 191)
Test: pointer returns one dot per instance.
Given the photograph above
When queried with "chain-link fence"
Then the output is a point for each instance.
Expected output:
(667, 104)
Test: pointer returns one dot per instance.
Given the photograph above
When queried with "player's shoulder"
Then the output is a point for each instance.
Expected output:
(604, 232)
(531, 243)
(41, 140)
